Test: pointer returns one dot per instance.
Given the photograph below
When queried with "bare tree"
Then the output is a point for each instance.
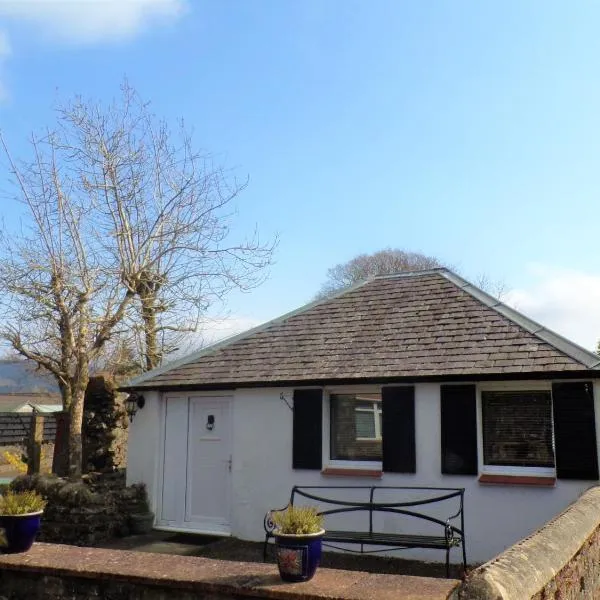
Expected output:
(127, 239)
(164, 210)
(365, 266)
(60, 307)
(494, 287)
(388, 262)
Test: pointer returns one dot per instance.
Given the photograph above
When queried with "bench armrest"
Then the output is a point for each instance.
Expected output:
(269, 524)
(449, 532)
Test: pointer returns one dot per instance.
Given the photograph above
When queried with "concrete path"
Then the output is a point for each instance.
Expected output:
(163, 542)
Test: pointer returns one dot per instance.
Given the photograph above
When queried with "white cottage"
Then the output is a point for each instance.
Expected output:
(416, 379)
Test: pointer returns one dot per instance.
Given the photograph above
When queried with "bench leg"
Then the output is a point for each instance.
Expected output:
(265, 546)
(448, 562)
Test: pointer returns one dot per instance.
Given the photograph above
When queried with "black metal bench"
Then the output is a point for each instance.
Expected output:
(332, 498)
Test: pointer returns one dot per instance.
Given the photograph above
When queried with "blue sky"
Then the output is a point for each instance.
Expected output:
(463, 129)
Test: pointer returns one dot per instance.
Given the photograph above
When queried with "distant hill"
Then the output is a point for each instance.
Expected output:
(22, 376)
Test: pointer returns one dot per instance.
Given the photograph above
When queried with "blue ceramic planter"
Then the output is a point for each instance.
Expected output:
(298, 556)
(17, 532)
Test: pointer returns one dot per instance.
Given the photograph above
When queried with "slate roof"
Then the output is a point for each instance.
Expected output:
(427, 324)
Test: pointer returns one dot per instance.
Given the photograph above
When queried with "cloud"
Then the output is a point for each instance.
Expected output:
(218, 329)
(564, 300)
(90, 21)
(213, 330)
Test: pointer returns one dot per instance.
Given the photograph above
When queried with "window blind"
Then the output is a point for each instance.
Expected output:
(517, 428)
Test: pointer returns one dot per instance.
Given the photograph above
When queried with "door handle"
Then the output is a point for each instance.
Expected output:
(229, 462)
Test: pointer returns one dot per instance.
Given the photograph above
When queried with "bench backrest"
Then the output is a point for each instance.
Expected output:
(416, 500)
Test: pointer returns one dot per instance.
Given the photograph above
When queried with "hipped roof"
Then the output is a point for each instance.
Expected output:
(423, 325)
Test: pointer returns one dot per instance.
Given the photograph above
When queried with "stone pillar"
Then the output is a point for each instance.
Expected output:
(104, 426)
(60, 460)
(34, 443)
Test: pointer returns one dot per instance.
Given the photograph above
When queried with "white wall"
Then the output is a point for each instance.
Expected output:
(143, 446)
(496, 516)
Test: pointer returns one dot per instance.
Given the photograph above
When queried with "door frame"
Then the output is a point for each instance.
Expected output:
(180, 526)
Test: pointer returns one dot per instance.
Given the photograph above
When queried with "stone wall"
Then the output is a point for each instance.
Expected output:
(54, 572)
(87, 512)
(560, 561)
(105, 426)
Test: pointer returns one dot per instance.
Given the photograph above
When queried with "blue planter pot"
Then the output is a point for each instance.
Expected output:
(298, 556)
(17, 532)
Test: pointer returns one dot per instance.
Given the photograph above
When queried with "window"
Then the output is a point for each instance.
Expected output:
(517, 429)
(355, 433)
(368, 420)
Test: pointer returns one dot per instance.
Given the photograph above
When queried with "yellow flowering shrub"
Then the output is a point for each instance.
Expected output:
(14, 460)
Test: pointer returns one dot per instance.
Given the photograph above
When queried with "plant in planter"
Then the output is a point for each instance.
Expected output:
(20, 515)
(298, 533)
(141, 518)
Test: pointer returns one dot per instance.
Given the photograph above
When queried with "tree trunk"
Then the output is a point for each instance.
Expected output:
(34, 443)
(75, 427)
(152, 352)
(60, 459)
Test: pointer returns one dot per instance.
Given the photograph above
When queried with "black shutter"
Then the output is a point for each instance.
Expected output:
(398, 429)
(308, 429)
(459, 429)
(575, 430)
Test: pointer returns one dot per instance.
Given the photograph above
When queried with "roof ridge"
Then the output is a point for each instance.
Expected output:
(417, 273)
(546, 335)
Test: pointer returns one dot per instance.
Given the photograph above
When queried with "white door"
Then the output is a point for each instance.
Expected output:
(174, 464)
(208, 485)
(196, 481)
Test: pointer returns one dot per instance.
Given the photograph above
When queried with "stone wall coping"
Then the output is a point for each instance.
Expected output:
(524, 569)
(218, 576)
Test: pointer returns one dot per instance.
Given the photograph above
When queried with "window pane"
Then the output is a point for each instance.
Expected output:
(352, 417)
(517, 429)
(365, 424)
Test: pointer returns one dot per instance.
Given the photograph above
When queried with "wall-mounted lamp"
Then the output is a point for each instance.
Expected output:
(133, 403)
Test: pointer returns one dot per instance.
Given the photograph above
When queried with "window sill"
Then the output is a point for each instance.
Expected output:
(350, 472)
(496, 479)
